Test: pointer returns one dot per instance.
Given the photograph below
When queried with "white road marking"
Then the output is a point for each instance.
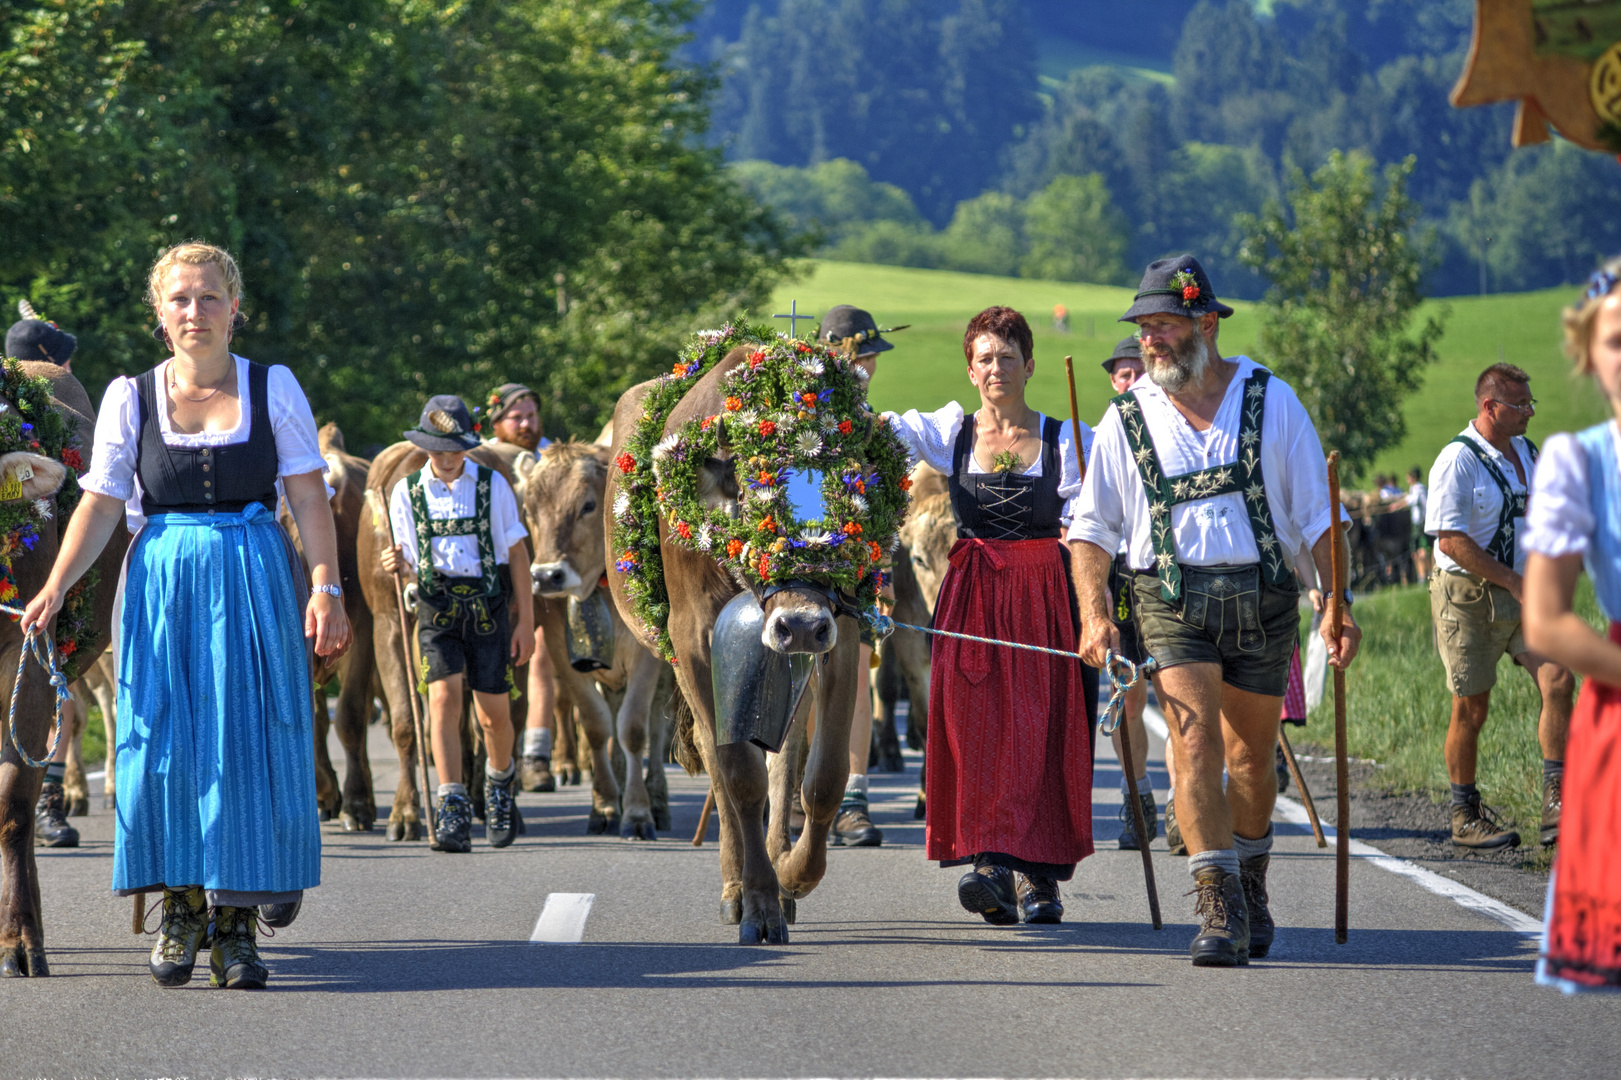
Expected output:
(102, 775)
(1460, 894)
(562, 918)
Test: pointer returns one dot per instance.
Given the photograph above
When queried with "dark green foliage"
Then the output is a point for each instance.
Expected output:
(424, 198)
(1346, 278)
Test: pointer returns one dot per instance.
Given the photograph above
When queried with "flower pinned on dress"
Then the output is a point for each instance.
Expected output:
(1007, 462)
(1189, 286)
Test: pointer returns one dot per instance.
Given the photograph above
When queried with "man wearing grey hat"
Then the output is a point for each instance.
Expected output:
(1211, 472)
(846, 326)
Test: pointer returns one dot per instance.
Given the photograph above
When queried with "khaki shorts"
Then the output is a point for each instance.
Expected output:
(1476, 622)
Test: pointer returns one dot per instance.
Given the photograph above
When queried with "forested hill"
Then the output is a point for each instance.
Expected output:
(998, 135)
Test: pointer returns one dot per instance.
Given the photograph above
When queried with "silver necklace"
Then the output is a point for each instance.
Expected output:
(175, 387)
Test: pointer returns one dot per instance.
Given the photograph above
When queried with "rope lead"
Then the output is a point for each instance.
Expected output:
(45, 654)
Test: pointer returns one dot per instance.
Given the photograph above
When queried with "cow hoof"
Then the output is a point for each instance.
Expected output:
(79, 807)
(637, 830)
(760, 930)
(731, 911)
(349, 823)
(596, 824)
(326, 815)
(661, 819)
(790, 908)
(405, 830)
(21, 962)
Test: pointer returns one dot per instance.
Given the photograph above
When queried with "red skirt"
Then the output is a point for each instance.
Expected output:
(1584, 916)
(1009, 760)
(1294, 694)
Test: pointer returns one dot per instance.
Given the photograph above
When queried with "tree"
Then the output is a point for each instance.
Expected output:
(423, 197)
(986, 235)
(1346, 275)
(1075, 233)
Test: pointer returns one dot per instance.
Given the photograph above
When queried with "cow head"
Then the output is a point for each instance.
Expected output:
(562, 507)
(928, 533)
(799, 618)
(35, 477)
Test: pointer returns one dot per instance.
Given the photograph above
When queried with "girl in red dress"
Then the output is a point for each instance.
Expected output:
(1009, 759)
(1574, 518)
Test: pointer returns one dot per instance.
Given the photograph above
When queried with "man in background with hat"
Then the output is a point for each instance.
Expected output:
(34, 338)
(1124, 367)
(850, 327)
(456, 523)
(514, 414)
(1212, 473)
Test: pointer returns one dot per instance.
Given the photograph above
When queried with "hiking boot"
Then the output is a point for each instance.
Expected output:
(1476, 825)
(1173, 831)
(500, 824)
(277, 916)
(51, 828)
(1038, 899)
(1224, 932)
(853, 827)
(1553, 802)
(1252, 875)
(234, 963)
(989, 891)
(455, 824)
(535, 774)
(1282, 765)
(1128, 828)
(180, 935)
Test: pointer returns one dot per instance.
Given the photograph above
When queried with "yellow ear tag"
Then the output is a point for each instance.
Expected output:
(10, 488)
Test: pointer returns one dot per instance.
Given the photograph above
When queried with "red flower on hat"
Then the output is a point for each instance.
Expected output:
(1185, 281)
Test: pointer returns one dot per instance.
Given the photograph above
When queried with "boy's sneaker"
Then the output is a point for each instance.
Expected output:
(455, 824)
(499, 822)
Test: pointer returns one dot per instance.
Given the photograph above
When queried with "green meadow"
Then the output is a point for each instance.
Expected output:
(926, 368)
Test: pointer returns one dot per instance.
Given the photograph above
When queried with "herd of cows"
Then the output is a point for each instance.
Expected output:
(611, 708)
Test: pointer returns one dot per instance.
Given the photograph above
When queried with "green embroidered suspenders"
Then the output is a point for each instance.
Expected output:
(1242, 477)
(1501, 547)
(478, 526)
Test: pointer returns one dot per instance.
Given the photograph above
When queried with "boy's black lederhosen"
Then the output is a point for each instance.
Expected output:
(460, 629)
(1244, 618)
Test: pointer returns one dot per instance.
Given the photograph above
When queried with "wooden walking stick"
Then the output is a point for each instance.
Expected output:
(1342, 772)
(1139, 824)
(703, 818)
(1300, 784)
(417, 720)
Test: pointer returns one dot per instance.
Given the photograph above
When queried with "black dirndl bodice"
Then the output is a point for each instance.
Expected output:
(1007, 506)
(198, 480)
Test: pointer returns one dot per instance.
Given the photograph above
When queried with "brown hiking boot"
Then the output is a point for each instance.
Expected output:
(1553, 803)
(1173, 831)
(51, 828)
(853, 827)
(1224, 931)
(1252, 875)
(1476, 825)
(535, 774)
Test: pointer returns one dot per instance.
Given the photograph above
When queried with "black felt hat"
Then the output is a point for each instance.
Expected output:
(446, 425)
(844, 322)
(1175, 286)
(36, 339)
(1128, 349)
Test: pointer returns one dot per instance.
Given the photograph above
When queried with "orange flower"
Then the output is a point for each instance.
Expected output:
(845, 427)
(767, 478)
(733, 404)
(877, 552)
(733, 548)
(851, 528)
(68, 648)
(906, 483)
(809, 399)
(768, 525)
(683, 530)
(707, 422)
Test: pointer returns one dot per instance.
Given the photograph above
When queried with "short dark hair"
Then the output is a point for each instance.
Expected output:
(1497, 378)
(1003, 322)
(1415, 473)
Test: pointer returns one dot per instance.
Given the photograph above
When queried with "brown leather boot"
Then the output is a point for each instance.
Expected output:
(1252, 875)
(535, 774)
(1553, 803)
(1476, 825)
(1224, 930)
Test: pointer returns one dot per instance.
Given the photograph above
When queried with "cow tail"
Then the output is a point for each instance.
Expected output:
(684, 746)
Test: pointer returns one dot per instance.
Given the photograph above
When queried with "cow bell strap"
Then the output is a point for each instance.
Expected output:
(477, 526)
(1502, 544)
(1243, 477)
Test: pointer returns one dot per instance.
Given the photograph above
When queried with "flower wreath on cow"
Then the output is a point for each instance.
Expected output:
(796, 425)
(29, 423)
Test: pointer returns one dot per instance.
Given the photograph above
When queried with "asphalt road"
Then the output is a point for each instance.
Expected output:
(411, 963)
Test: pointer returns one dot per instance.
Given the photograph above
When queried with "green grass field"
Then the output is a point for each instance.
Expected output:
(926, 369)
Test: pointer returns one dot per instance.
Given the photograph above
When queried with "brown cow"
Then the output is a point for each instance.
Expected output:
(96, 686)
(354, 804)
(563, 510)
(393, 670)
(756, 878)
(904, 658)
(22, 932)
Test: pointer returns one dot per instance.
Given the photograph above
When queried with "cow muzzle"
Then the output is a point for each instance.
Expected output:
(757, 689)
(799, 621)
(554, 578)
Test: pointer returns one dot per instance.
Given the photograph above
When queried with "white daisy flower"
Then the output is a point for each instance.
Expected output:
(44, 508)
(819, 539)
(860, 372)
(809, 444)
(706, 538)
(665, 445)
(859, 502)
(812, 366)
(621, 503)
(830, 423)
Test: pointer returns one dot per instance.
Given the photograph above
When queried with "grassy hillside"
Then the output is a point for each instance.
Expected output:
(926, 369)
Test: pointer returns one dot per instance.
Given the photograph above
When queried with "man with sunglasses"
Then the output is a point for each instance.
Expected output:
(1478, 491)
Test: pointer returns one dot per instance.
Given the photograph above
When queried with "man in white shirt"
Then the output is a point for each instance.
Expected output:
(1478, 490)
(456, 525)
(1212, 473)
(1418, 505)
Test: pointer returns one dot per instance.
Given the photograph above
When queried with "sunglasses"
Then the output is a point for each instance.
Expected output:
(1525, 410)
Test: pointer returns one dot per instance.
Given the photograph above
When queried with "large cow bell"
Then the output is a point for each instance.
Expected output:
(590, 632)
(757, 689)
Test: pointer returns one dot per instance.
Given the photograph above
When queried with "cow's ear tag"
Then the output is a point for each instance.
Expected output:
(25, 471)
(10, 488)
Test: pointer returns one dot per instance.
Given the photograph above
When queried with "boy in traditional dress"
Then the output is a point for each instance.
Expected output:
(455, 523)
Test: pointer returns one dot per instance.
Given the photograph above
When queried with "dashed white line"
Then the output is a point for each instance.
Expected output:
(1460, 894)
(562, 918)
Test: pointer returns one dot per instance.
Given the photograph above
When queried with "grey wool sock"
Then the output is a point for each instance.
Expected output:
(1551, 769)
(537, 743)
(503, 774)
(452, 789)
(1225, 858)
(1247, 849)
(1464, 794)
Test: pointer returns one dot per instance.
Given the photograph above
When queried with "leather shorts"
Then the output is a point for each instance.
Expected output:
(461, 630)
(1228, 616)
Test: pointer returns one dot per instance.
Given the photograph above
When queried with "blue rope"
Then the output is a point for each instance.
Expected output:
(1113, 663)
(45, 654)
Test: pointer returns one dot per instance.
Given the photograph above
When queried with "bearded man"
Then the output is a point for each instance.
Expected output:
(1212, 473)
(514, 414)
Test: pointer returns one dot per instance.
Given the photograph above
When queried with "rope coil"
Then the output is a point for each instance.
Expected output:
(44, 650)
